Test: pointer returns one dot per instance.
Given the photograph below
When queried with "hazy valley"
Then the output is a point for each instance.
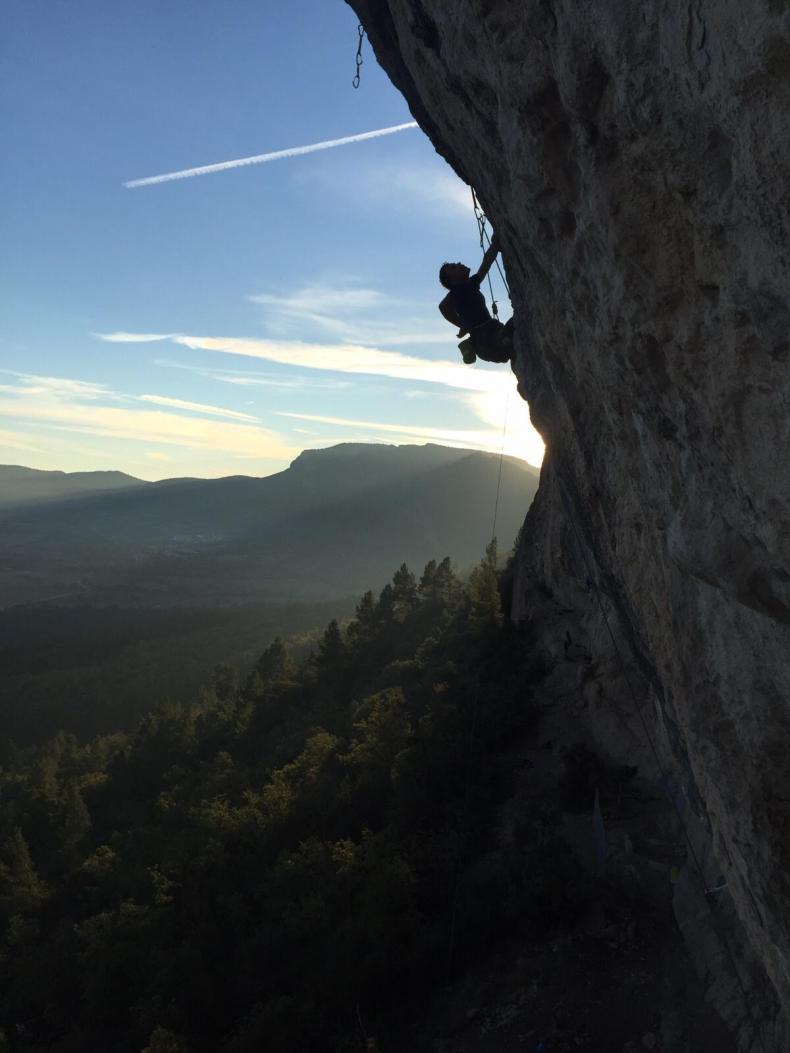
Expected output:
(327, 527)
(117, 593)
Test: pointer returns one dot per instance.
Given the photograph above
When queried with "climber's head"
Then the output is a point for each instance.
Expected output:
(451, 274)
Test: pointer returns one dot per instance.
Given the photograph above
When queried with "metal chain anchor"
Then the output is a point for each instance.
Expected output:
(359, 59)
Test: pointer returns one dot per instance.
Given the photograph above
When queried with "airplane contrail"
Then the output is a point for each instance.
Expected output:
(259, 159)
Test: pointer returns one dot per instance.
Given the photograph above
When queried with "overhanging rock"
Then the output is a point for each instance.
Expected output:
(635, 160)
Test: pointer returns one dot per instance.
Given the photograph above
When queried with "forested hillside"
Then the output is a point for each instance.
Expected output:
(280, 864)
(96, 670)
(112, 601)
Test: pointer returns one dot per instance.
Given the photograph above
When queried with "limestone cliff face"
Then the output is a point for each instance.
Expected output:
(635, 160)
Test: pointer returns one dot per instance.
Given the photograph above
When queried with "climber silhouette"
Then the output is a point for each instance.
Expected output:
(465, 306)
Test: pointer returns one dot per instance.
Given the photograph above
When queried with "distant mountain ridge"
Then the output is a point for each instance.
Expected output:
(20, 485)
(332, 524)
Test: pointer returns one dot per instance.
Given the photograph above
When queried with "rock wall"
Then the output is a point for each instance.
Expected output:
(635, 160)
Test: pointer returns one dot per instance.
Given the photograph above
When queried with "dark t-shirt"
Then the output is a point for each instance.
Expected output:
(469, 303)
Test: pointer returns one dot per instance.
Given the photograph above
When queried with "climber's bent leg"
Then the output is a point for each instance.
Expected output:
(493, 341)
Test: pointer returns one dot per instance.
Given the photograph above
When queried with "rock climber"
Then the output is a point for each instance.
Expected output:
(465, 306)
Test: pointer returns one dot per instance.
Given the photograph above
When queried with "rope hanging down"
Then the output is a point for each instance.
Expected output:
(471, 746)
(481, 227)
(482, 231)
(359, 60)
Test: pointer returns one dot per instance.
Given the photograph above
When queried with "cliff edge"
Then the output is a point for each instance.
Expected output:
(635, 160)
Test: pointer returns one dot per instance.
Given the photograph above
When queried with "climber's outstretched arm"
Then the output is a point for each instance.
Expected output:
(488, 259)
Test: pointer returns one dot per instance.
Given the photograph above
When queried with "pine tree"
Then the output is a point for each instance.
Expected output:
(385, 608)
(366, 607)
(45, 777)
(254, 687)
(225, 682)
(76, 817)
(485, 605)
(363, 628)
(20, 888)
(446, 587)
(332, 650)
(404, 592)
(428, 579)
(275, 662)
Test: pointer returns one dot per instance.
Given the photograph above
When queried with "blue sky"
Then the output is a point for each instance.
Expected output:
(294, 302)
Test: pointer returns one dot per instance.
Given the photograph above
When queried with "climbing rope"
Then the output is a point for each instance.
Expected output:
(664, 777)
(496, 264)
(482, 229)
(359, 60)
(480, 217)
(470, 748)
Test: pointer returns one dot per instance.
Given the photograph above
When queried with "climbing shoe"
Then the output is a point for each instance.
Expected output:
(467, 351)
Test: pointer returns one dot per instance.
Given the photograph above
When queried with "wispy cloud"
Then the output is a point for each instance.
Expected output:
(254, 378)
(132, 338)
(56, 387)
(518, 439)
(431, 187)
(488, 393)
(326, 299)
(16, 440)
(276, 155)
(427, 189)
(196, 407)
(92, 409)
(463, 437)
(347, 358)
(295, 383)
(350, 313)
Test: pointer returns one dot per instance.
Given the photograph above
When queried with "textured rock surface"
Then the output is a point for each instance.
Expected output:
(635, 160)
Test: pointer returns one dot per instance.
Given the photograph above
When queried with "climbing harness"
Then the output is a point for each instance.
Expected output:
(359, 59)
(591, 579)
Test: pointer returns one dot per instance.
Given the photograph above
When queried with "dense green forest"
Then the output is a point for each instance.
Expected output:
(97, 670)
(284, 863)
